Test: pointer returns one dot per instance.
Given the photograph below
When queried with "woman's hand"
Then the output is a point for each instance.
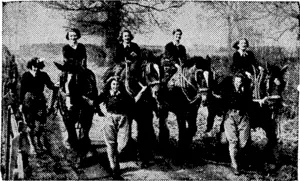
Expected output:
(20, 108)
(248, 75)
(68, 103)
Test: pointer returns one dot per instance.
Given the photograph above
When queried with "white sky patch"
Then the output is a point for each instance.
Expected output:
(29, 23)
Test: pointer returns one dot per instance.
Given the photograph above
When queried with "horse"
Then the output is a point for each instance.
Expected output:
(183, 94)
(148, 77)
(76, 95)
(267, 87)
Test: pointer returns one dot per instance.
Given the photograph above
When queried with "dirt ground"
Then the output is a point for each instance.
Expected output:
(209, 158)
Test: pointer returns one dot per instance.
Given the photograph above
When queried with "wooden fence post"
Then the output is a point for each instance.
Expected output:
(8, 116)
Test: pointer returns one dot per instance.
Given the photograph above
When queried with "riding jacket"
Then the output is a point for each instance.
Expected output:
(123, 53)
(119, 103)
(238, 100)
(176, 54)
(35, 85)
(242, 63)
(78, 55)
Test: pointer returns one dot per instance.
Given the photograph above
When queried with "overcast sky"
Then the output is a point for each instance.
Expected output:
(31, 23)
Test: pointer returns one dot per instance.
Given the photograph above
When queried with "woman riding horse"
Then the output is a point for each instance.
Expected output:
(127, 57)
(183, 95)
(74, 52)
(77, 93)
(174, 56)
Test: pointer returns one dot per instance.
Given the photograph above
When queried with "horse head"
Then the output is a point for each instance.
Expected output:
(77, 84)
(271, 85)
(195, 78)
(275, 82)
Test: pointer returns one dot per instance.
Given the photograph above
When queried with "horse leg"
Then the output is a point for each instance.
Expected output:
(86, 119)
(192, 124)
(145, 137)
(184, 139)
(182, 132)
(271, 147)
(164, 132)
(210, 118)
(70, 122)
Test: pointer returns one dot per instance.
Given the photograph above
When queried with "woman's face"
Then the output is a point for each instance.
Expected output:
(242, 44)
(33, 70)
(114, 85)
(126, 37)
(237, 81)
(73, 36)
(177, 36)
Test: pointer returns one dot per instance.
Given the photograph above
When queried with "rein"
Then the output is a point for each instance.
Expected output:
(199, 90)
(257, 81)
(126, 81)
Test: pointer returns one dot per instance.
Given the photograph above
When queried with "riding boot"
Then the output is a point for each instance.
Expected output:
(233, 152)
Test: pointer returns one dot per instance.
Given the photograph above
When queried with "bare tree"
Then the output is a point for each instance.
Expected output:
(238, 17)
(285, 16)
(106, 18)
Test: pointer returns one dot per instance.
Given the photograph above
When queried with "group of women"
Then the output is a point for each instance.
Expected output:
(116, 103)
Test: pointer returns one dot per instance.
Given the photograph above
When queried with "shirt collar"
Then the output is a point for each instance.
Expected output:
(114, 94)
(126, 45)
(175, 43)
(242, 53)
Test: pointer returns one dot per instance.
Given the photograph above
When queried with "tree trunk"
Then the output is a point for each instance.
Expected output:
(114, 19)
(229, 38)
(298, 17)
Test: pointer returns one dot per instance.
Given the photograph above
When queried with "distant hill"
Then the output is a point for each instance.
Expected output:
(54, 52)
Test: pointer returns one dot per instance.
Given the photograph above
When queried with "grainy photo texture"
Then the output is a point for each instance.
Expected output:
(150, 90)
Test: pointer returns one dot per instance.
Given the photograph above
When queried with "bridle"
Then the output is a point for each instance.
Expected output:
(198, 88)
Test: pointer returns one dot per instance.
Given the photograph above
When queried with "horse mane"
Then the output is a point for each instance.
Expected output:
(86, 78)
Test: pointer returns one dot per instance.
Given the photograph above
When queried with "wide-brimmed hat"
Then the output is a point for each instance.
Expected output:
(36, 62)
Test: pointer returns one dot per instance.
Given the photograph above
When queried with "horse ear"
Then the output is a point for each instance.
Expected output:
(268, 67)
(284, 69)
(59, 66)
(208, 57)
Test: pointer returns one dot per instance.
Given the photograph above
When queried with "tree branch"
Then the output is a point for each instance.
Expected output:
(152, 7)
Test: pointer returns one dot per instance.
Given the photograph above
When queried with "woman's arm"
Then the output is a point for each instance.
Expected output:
(139, 95)
(99, 102)
(119, 56)
(23, 89)
(65, 53)
(48, 81)
(235, 59)
(84, 59)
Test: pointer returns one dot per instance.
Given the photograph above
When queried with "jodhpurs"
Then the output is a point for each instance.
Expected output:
(237, 131)
(116, 136)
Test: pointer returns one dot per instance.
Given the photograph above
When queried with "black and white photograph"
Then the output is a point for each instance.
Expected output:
(150, 90)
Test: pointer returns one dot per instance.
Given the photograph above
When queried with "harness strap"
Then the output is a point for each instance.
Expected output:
(199, 90)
